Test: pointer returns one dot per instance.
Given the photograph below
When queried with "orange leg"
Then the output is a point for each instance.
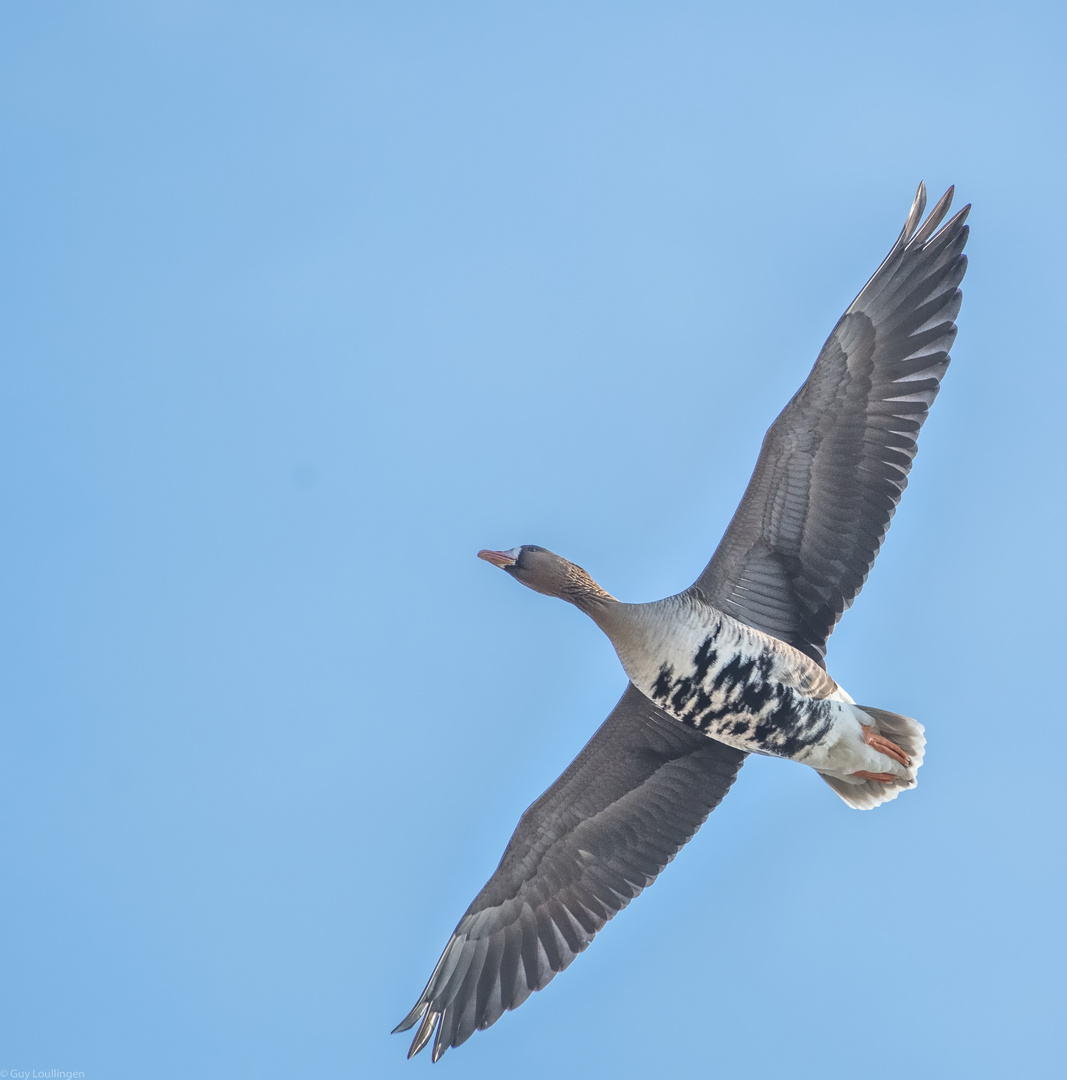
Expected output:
(884, 746)
(884, 777)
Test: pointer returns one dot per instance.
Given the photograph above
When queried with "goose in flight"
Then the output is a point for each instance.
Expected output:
(734, 664)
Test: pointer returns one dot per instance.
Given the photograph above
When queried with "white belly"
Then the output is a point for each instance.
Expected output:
(744, 688)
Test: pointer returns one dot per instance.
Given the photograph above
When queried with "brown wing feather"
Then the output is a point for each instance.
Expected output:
(602, 832)
(834, 464)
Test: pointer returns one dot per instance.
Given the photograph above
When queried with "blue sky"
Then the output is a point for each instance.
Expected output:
(305, 304)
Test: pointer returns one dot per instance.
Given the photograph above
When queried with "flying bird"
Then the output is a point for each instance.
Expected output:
(734, 664)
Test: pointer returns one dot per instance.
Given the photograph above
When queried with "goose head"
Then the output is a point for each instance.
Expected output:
(546, 572)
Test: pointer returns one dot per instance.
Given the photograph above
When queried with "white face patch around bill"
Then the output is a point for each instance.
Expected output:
(503, 559)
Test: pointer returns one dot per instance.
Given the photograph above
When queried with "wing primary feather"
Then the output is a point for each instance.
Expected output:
(937, 215)
(426, 1030)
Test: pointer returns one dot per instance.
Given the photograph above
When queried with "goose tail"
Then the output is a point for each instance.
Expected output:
(908, 735)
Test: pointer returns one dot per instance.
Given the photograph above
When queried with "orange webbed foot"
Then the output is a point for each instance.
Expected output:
(883, 746)
(882, 777)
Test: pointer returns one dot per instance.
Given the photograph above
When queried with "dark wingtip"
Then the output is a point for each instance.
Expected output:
(426, 1028)
(928, 228)
(411, 1019)
(915, 213)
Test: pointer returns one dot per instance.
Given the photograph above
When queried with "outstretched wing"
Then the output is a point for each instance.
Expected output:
(834, 464)
(637, 792)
